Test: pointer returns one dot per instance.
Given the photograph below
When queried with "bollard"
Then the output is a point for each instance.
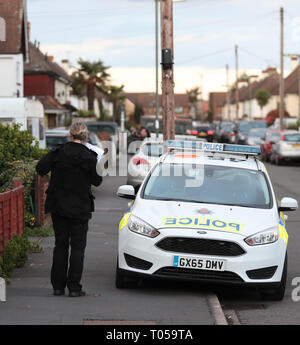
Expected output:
(2, 290)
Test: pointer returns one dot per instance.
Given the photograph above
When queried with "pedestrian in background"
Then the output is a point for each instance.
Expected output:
(71, 203)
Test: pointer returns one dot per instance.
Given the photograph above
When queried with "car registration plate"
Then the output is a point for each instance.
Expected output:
(296, 145)
(199, 263)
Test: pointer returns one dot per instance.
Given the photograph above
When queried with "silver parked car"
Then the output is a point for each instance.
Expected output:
(256, 136)
(147, 155)
(287, 148)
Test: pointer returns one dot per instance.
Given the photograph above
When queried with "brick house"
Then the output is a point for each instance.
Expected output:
(13, 47)
(48, 82)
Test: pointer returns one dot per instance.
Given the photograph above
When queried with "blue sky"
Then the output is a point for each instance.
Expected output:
(121, 33)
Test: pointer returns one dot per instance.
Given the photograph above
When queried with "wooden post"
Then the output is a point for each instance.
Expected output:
(168, 102)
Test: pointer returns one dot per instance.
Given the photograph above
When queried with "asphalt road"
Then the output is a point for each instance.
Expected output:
(30, 299)
(248, 306)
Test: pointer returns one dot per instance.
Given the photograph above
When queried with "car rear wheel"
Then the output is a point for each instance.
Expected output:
(277, 294)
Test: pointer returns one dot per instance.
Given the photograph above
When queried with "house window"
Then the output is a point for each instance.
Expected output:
(178, 109)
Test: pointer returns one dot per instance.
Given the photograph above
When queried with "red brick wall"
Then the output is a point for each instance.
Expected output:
(39, 85)
(11, 214)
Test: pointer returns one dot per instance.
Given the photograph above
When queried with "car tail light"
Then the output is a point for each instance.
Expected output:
(210, 132)
(232, 134)
(194, 132)
(269, 147)
(282, 137)
(139, 161)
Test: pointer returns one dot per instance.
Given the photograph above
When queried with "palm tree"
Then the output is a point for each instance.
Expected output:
(90, 75)
(115, 94)
(193, 95)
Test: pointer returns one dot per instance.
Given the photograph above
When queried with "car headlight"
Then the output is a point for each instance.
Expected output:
(138, 226)
(264, 237)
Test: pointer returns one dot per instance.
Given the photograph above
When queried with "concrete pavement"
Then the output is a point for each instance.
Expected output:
(30, 300)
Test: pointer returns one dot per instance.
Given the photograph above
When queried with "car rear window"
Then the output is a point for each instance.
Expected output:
(208, 184)
(292, 137)
(152, 150)
(102, 128)
(52, 141)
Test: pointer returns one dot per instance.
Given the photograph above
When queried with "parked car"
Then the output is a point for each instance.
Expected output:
(243, 127)
(57, 136)
(287, 148)
(256, 136)
(106, 131)
(225, 132)
(61, 135)
(272, 136)
(139, 165)
(205, 131)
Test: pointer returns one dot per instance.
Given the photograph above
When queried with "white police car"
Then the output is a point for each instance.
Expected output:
(206, 212)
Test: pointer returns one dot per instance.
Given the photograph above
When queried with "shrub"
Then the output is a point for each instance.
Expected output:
(19, 152)
(14, 255)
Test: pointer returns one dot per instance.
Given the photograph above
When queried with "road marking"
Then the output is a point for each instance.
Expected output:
(216, 310)
(116, 322)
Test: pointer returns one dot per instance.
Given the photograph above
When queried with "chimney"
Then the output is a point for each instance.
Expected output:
(65, 65)
(51, 58)
(270, 70)
(294, 62)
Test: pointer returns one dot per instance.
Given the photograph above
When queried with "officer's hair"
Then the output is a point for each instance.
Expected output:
(79, 131)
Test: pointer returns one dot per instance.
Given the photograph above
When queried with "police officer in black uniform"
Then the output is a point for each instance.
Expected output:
(71, 203)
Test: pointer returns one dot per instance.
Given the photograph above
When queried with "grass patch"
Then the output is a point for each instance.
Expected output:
(43, 231)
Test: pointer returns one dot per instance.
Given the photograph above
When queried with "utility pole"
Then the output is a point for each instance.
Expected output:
(227, 94)
(156, 71)
(168, 102)
(237, 100)
(281, 84)
(298, 57)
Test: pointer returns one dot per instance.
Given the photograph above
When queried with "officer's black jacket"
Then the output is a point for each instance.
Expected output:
(73, 171)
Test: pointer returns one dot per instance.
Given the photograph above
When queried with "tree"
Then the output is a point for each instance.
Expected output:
(262, 96)
(115, 94)
(138, 112)
(89, 76)
(193, 95)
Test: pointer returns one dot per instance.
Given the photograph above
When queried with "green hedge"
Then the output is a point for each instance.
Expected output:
(14, 256)
(19, 153)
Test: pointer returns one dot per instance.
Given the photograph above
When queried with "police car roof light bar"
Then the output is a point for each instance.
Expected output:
(173, 145)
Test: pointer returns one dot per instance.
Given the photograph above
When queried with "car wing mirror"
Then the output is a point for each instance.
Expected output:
(126, 191)
(288, 204)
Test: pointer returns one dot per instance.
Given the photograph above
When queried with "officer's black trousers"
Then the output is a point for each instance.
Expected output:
(67, 270)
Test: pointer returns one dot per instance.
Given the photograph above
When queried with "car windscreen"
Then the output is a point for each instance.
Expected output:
(292, 137)
(244, 127)
(274, 137)
(258, 124)
(208, 184)
(260, 133)
(152, 149)
(102, 128)
(227, 126)
(52, 141)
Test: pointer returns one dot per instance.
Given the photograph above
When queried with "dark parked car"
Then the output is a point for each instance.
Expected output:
(272, 136)
(204, 131)
(243, 127)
